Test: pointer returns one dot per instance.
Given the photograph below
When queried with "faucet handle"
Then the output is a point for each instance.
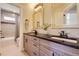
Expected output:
(66, 35)
(60, 34)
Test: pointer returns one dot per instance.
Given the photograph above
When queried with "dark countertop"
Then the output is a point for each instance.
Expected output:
(47, 37)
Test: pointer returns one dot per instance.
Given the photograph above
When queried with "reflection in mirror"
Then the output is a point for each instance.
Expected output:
(70, 17)
(38, 16)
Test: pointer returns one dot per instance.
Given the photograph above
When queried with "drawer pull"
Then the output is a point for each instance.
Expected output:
(35, 39)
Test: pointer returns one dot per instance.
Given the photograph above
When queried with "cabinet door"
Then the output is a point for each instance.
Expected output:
(57, 53)
(42, 53)
(60, 53)
(31, 45)
(25, 42)
(46, 51)
(45, 47)
(35, 40)
(35, 51)
(28, 44)
(35, 46)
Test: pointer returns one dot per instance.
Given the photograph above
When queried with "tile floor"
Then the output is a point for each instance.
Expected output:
(9, 48)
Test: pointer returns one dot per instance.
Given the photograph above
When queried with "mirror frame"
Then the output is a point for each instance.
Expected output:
(34, 12)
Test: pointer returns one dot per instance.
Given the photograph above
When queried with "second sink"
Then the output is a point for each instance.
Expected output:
(64, 40)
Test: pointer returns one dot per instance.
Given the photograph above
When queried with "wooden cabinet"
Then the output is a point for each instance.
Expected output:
(35, 51)
(39, 47)
(27, 44)
(45, 47)
(31, 45)
(35, 46)
(60, 53)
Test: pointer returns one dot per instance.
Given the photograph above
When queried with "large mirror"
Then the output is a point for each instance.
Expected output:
(64, 15)
(55, 15)
(70, 17)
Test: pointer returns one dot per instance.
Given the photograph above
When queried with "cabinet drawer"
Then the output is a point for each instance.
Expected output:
(46, 43)
(43, 53)
(60, 53)
(25, 46)
(35, 44)
(35, 39)
(35, 51)
(46, 50)
(65, 54)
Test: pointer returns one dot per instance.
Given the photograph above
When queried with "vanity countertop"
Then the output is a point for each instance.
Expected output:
(47, 37)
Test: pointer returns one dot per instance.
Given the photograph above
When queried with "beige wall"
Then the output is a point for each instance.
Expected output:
(26, 13)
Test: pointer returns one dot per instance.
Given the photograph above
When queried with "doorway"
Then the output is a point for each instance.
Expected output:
(9, 25)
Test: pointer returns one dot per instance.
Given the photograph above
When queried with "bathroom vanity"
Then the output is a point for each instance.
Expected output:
(45, 45)
(58, 17)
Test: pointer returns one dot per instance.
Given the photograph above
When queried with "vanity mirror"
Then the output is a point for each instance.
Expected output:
(70, 17)
(64, 15)
(42, 16)
(57, 15)
(38, 16)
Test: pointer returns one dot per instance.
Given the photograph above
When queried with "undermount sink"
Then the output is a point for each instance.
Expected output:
(64, 40)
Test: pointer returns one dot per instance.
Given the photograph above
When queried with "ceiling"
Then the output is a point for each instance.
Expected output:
(58, 5)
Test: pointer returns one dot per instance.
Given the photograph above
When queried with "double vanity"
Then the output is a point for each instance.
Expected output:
(50, 45)
(56, 19)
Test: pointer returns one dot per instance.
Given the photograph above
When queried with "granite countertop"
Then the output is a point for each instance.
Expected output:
(47, 37)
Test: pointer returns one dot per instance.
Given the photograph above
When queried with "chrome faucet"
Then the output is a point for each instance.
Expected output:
(63, 34)
(35, 32)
